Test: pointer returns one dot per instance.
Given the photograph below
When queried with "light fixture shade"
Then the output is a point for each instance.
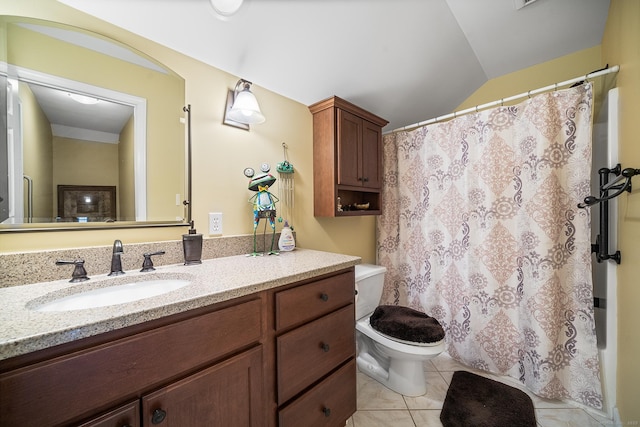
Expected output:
(226, 8)
(245, 108)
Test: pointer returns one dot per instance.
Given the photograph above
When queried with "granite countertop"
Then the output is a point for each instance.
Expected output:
(24, 330)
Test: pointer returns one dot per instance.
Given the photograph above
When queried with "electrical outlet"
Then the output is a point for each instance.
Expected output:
(215, 223)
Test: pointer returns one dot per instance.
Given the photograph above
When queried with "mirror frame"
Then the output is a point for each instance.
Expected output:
(140, 142)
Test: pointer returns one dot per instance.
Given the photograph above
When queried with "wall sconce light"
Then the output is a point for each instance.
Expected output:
(242, 106)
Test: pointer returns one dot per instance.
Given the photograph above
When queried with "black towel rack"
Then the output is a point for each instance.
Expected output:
(601, 246)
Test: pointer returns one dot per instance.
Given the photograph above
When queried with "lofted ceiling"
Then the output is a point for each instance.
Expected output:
(404, 60)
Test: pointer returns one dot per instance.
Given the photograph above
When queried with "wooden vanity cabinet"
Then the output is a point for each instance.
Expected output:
(315, 352)
(347, 158)
(280, 357)
(184, 367)
(125, 416)
(226, 394)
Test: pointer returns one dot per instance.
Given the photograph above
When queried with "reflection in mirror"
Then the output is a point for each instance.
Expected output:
(87, 112)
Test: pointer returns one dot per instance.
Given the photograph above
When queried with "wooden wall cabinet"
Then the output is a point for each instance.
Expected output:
(347, 158)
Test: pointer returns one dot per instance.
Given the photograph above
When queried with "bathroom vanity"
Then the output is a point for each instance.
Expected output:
(263, 341)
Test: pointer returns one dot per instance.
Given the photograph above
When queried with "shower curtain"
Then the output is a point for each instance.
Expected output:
(480, 229)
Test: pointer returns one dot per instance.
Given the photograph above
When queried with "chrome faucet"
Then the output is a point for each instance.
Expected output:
(116, 262)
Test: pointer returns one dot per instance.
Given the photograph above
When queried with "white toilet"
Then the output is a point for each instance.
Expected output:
(396, 364)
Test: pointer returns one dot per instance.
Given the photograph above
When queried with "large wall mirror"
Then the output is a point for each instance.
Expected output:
(91, 131)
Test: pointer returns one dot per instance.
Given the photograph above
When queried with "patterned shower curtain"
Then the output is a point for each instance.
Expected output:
(480, 229)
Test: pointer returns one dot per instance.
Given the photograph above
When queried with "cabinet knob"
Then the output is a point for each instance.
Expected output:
(365, 179)
(326, 412)
(158, 416)
(324, 297)
(325, 347)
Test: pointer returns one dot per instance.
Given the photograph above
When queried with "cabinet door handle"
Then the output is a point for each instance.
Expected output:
(325, 347)
(326, 412)
(365, 179)
(158, 416)
(324, 297)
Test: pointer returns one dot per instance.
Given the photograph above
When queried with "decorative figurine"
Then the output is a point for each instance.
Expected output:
(264, 203)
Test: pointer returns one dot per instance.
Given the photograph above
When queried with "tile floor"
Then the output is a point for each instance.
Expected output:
(380, 407)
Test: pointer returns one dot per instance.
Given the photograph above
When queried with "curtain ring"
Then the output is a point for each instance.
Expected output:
(455, 114)
(529, 94)
(555, 87)
(502, 102)
(476, 108)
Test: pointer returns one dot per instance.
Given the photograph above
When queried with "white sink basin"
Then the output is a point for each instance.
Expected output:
(112, 295)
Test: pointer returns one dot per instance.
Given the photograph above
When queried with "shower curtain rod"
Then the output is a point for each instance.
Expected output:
(475, 109)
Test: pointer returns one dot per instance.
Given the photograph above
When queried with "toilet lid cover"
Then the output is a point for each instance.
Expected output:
(406, 324)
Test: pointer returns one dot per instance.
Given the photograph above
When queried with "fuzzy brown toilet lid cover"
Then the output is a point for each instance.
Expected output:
(406, 324)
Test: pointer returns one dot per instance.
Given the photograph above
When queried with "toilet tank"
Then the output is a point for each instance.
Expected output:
(369, 285)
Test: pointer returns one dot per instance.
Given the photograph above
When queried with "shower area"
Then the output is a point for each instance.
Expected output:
(605, 154)
(481, 229)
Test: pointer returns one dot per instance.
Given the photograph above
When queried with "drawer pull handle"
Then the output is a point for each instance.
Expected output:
(158, 416)
(324, 297)
(325, 347)
(326, 412)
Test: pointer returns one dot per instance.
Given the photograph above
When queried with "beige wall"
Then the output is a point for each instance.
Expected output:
(621, 46)
(220, 153)
(37, 154)
(78, 162)
(541, 75)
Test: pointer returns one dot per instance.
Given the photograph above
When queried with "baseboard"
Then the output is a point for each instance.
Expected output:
(616, 417)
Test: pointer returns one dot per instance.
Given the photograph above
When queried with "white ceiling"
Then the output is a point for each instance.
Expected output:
(404, 60)
(99, 122)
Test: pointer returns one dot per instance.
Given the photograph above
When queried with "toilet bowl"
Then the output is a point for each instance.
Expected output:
(396, 364)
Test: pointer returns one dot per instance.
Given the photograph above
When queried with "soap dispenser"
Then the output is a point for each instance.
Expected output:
(286, 242)
(192, 245)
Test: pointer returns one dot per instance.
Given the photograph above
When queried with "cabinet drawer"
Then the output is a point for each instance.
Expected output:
(226, 394)
(330, 403)
(67, 387)
(303, 303)
(125, 416)
(309, 352)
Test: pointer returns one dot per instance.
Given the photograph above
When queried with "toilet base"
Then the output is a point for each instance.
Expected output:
(402, 376)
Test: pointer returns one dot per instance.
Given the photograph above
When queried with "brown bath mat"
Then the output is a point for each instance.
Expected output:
(477, 401)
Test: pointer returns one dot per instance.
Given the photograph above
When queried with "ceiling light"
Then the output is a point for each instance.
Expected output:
(519, 4)
(83, 99)
(242, 106)
(226, 8)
